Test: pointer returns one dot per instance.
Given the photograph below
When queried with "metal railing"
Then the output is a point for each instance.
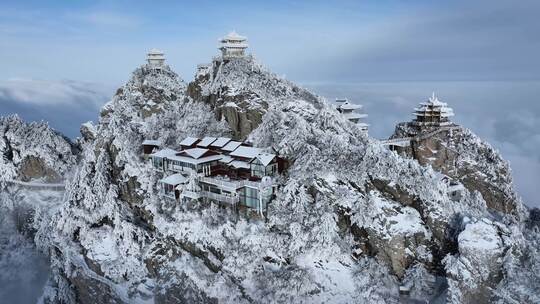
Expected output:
(231, 185)
(220, 197)
(37, 186)
(248, 183)
(190, 194)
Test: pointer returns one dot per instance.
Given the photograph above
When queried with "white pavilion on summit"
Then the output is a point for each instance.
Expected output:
(155, 58)
(351, 112)
(233, 45)
(433, 113)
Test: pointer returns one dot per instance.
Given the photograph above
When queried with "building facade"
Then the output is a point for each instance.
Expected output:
(233, 45)
(155, 58)
(218, 170)
(433, 112)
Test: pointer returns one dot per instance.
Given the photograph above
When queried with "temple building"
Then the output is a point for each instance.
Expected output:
(155, 58)
(233, 45)
(352, 113)
(218, 170)
(433, 113)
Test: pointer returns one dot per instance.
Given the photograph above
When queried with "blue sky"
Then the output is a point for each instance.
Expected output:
(60, 61)
(309, 41)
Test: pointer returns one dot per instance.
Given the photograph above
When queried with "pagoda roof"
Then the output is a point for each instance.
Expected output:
(155, 51)
(434, 107)
(240, 45)
(353, 115)
(350, 106)
(234, 36)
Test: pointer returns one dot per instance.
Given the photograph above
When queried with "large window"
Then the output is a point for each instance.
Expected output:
(249, 197)
(257, 169)
(182, 165)
(158, 162)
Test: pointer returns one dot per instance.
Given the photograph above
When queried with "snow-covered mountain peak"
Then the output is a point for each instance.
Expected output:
(240, 90)
(33, 151)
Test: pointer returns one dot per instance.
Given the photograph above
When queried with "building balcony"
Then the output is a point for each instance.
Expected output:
(248, 183)
(190, 194)
(233, 200)
(221, 184)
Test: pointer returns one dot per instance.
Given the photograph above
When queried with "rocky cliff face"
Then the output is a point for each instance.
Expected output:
(33, 151)
(29, 152)
(352, 221)
(460, 154)
(239, 90)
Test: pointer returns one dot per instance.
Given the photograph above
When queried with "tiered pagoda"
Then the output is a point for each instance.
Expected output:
(233, 45)
(352, 113)
(433, 113)
(155, 58)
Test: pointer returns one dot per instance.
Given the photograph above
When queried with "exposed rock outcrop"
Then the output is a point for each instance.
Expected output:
(33, 151)
(458, 153)
(239, 89)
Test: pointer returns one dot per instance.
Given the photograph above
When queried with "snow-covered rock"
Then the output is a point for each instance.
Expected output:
(476, 268)
(33, 151)
(460, 154)
(240, 89)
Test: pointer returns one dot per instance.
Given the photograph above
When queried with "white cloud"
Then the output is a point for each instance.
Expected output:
(44, 92)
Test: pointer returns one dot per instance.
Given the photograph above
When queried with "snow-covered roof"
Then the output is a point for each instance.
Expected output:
(457, 187)
(164, 153)
(266, 158)
(195, 161)
(234, 36)
(174, 179)
(220, 142)
(350, 106)
(247, 152)
(195, 152)
(434, 107)
(226, 159)
(205, 142)
(231, 45)
(231, 146)
(353, 115)
(151, 142)
(238, 164)
(155, 51)
(188, 141)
